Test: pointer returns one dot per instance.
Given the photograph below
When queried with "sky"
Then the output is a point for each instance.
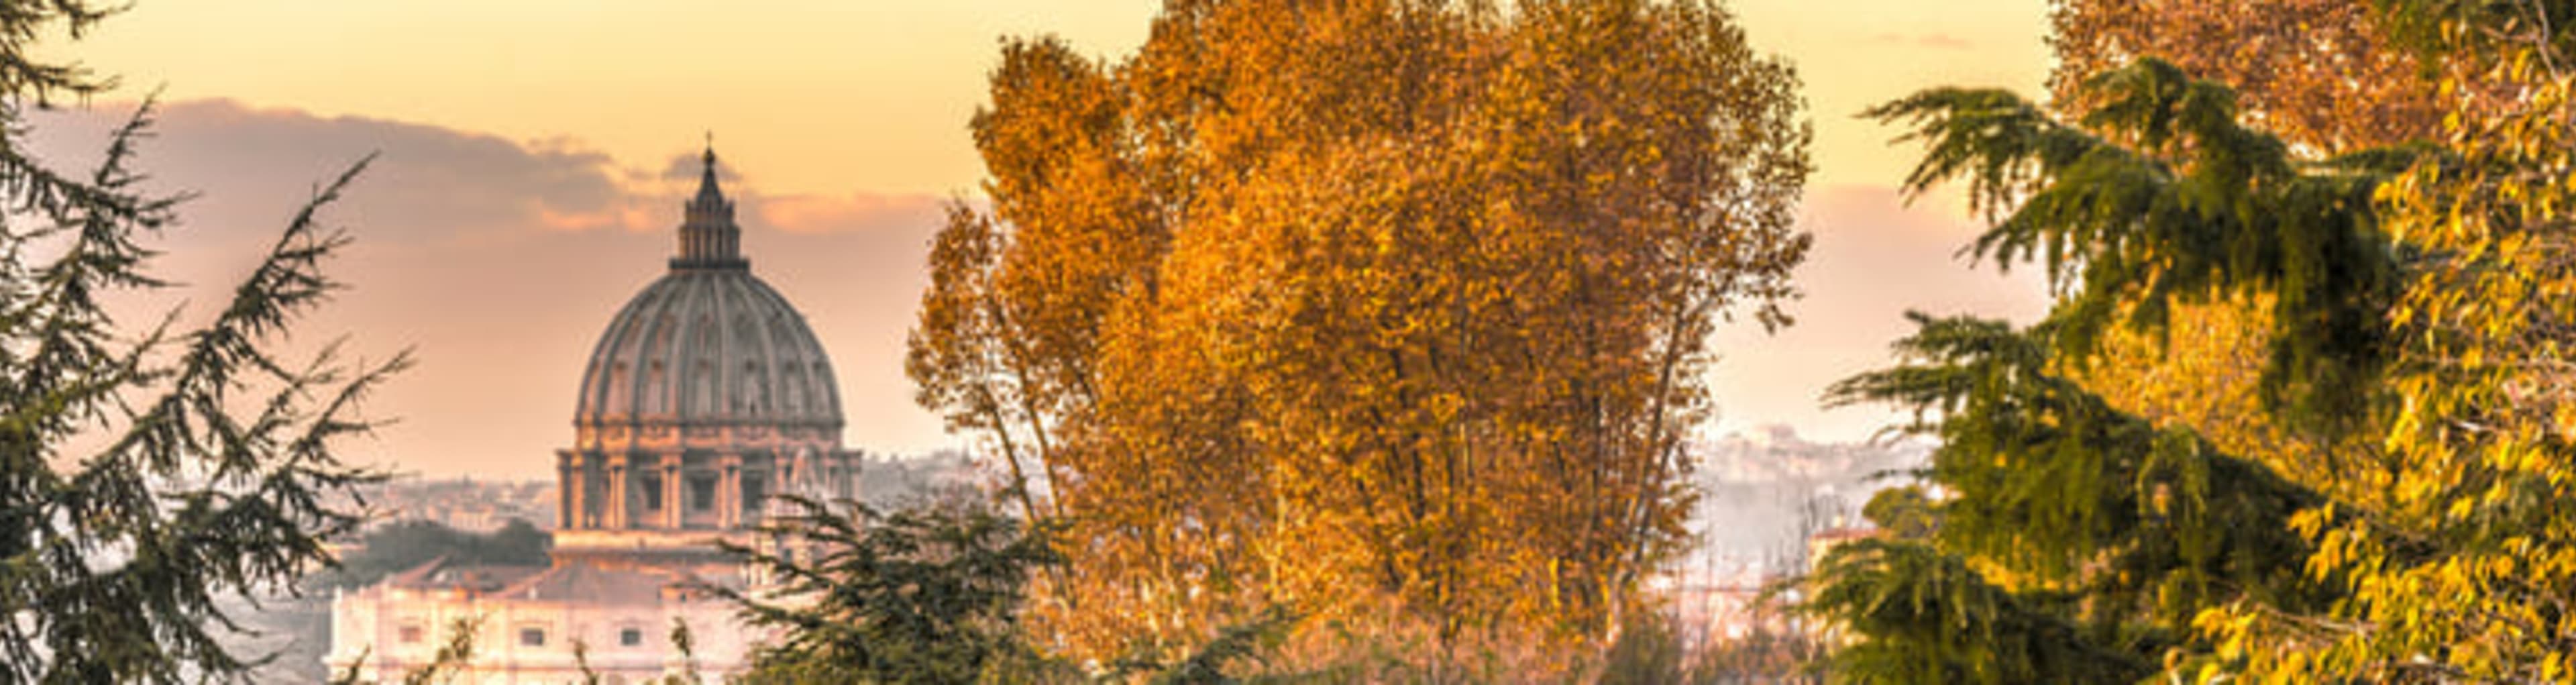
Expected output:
(531, 157)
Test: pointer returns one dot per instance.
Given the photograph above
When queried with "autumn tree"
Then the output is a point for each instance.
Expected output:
(2321, 74)
(1393, 312)
(2411, 297)
(146, 471)
(2466, 570)
(2324, 77)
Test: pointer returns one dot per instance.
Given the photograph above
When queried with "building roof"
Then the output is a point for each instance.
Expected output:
(708, 344)
(441, 574)
(587, 584)
(567, 581)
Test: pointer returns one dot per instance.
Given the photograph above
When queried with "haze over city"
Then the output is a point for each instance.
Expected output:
(532, 157)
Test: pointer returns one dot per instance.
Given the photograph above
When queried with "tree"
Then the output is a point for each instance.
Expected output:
(923, 595)
(932, 592)
(2327, 78)
(406, 544)
(2322, 74)
(2410, 299)
(2472, 529)
(146, 472)
(2074, 542)
(1361, 305)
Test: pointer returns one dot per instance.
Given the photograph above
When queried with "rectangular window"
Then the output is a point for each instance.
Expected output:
(652, 493)
(532, 637)
(410, 634)
(631, 637)
(752, 494)
(702, 493)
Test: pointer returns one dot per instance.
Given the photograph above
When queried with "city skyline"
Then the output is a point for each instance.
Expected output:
(531, 170)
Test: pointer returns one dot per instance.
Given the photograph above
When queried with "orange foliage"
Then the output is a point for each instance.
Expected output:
(1346, 305)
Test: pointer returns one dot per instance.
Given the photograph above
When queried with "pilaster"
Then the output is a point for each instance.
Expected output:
(674, 508)
(620, 484)
(729, 490)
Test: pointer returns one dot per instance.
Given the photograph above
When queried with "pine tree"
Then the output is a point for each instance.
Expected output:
(146, 472)
(930, 594)
(2415, 299)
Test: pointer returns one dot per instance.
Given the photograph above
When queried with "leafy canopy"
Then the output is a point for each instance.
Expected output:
(1348, 306)
(2414, 298)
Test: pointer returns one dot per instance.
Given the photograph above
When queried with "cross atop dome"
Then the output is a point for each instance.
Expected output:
(708, 238)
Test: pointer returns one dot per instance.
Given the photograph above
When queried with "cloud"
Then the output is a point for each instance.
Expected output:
(500, 262)
(685, 167)
(428, 181)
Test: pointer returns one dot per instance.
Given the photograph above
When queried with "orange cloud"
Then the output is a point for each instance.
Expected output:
(501, 261)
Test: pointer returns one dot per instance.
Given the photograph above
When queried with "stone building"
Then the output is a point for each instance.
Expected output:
(706, 395)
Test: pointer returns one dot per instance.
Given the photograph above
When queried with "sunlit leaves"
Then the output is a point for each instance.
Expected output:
(1343, 306)
(2318, 73)
(2161, 197)
(2424, 540)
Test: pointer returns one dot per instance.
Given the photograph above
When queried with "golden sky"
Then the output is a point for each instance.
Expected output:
(530, 147)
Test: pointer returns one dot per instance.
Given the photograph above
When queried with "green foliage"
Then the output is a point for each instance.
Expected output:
(581, 662)
(1925, 616)
(2421, 292)
(2049, 485)
(2112, 535)
(928, 595)
(685, 643)
(2160, 195)
(2044, 478)
(408, 544)
(1904, 512)
(934, 593)
(1213, 662)
(453, 655)
(146, 472)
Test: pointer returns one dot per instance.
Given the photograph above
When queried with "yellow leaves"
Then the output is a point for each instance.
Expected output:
(1386, 295)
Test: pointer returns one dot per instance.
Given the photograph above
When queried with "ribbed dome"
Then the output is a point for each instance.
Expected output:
(708, 346)
(704, 348)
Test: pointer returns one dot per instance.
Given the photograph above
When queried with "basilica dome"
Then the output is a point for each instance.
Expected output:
(708, 350)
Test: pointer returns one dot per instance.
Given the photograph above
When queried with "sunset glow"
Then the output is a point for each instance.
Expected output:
(533, 156)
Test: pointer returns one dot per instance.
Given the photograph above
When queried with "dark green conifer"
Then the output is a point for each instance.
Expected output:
(146, 471)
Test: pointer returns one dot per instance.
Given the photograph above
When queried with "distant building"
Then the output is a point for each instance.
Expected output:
(706, 395)
(466, 504)
(528, 620)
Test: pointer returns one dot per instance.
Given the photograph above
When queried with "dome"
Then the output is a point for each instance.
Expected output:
(708, 350)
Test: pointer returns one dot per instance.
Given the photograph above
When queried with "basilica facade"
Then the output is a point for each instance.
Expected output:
(706, 396)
